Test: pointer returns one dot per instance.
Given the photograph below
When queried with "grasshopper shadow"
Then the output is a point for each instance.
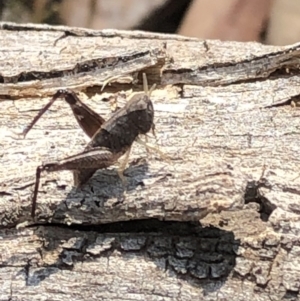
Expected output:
(104, 189)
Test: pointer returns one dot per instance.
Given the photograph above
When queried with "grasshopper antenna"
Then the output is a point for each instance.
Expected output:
(148, 93)
(145, 86)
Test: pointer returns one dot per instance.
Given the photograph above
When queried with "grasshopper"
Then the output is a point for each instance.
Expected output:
(110, 139)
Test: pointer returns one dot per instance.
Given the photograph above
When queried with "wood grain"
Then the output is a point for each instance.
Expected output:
(224, 118)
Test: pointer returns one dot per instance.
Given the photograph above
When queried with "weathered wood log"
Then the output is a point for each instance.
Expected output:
(219, 220)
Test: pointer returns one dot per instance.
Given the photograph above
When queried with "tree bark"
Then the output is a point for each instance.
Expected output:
(219, 220)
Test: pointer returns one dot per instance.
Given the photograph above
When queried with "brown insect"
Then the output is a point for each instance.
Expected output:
(109, 139)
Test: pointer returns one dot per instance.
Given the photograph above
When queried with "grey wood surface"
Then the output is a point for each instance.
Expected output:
(218, 220)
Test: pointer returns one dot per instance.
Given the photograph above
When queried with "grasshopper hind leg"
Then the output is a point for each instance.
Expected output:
(81, 176)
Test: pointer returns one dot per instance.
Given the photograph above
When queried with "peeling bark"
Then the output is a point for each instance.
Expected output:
(225, 120)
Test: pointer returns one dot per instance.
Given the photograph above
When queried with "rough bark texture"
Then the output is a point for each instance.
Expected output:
(219, 221)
